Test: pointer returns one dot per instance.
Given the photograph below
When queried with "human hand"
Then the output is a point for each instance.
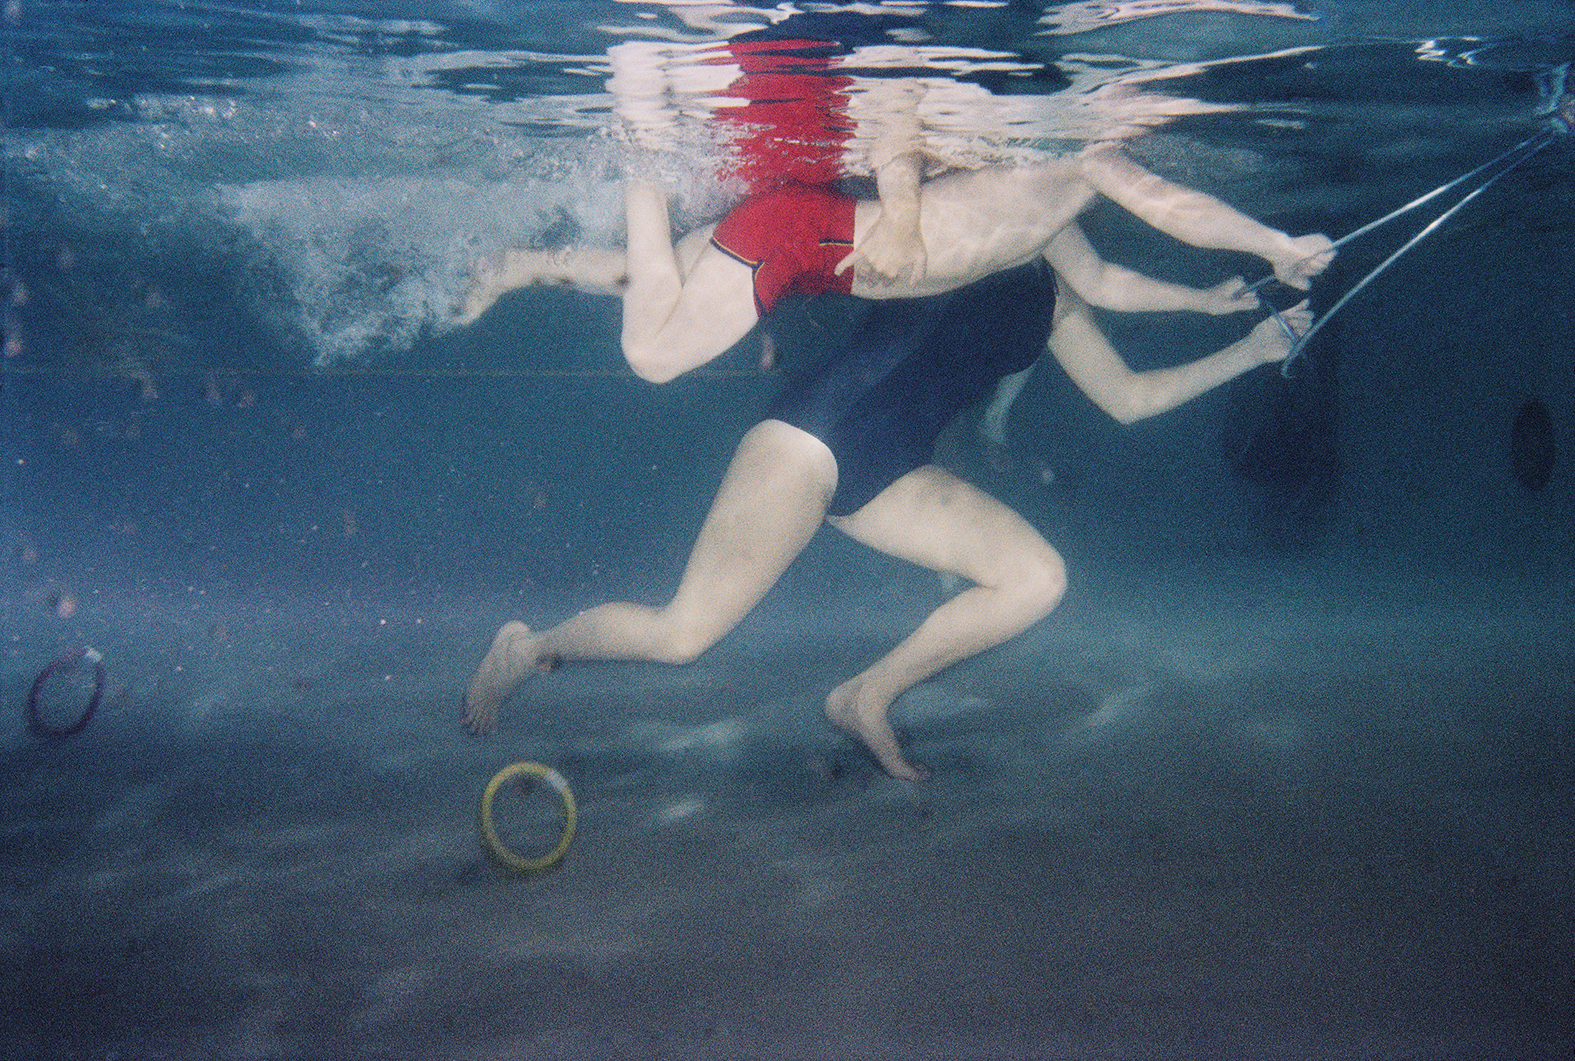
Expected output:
(1233, 296)
(1270, 338)
(1305, 258)
(892, 251)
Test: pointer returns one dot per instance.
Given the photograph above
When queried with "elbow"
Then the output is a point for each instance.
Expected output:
(1126, 415)
(1139, 403)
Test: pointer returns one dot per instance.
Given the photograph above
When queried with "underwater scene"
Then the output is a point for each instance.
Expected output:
(939, 529)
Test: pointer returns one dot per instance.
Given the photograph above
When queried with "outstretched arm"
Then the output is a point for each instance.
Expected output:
(1115, 287)
(1202, 220)
(1086, 354)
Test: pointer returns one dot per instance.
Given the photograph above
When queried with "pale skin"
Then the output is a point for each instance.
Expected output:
(773, 499)
(776, 491)
(1108, 286)
(688, 303)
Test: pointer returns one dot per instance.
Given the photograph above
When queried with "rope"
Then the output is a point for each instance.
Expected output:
(1526, 149)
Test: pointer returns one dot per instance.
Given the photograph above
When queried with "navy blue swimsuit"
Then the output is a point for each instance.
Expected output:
(908, 368)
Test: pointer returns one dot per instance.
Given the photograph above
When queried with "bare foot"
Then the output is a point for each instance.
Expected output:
(596, 269)
(867, 724)
(512, 655)
(493, 277)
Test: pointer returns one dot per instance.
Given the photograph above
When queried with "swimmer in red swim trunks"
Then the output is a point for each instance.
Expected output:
(687, 303)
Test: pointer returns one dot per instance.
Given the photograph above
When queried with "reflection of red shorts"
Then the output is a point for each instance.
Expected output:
(790, 120)
(792, 237)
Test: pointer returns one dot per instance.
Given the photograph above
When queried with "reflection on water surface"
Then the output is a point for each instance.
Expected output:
(341, 167)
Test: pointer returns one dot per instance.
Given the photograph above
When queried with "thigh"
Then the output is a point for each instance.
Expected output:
(714, 309)
(932, 518)
(769, 506)
(689, 248)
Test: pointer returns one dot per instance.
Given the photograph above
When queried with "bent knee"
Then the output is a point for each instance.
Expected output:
(1038, 581)
(682, 642)
(647, 361)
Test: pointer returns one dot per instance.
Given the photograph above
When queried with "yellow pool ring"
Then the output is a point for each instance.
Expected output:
(489, 834)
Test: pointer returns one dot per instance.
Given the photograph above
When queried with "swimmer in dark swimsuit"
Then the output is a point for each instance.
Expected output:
(908, 368)
(849, 444)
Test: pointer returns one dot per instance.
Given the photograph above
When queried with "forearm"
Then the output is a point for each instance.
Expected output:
(1161, 390)
(1085, 353)
(1125, 291)
(1191, 216)
(891, 247)
(897, 185)
(1115, 287)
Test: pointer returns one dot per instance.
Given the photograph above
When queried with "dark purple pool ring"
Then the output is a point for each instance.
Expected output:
(35, 717)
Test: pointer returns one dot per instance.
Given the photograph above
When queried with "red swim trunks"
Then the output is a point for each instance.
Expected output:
(792, 237)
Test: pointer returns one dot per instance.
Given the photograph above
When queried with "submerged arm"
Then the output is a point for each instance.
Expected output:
(1083, 350)
(1114, 287)
(1202, 220)
(893, 249)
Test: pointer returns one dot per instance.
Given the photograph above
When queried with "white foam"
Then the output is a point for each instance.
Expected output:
(372, 264)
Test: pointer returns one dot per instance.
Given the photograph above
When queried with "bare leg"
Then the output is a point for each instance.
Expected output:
(770, 504)
(598, 270)
(931, 517)
(602, 270)
(677, 315)
(655, 281)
